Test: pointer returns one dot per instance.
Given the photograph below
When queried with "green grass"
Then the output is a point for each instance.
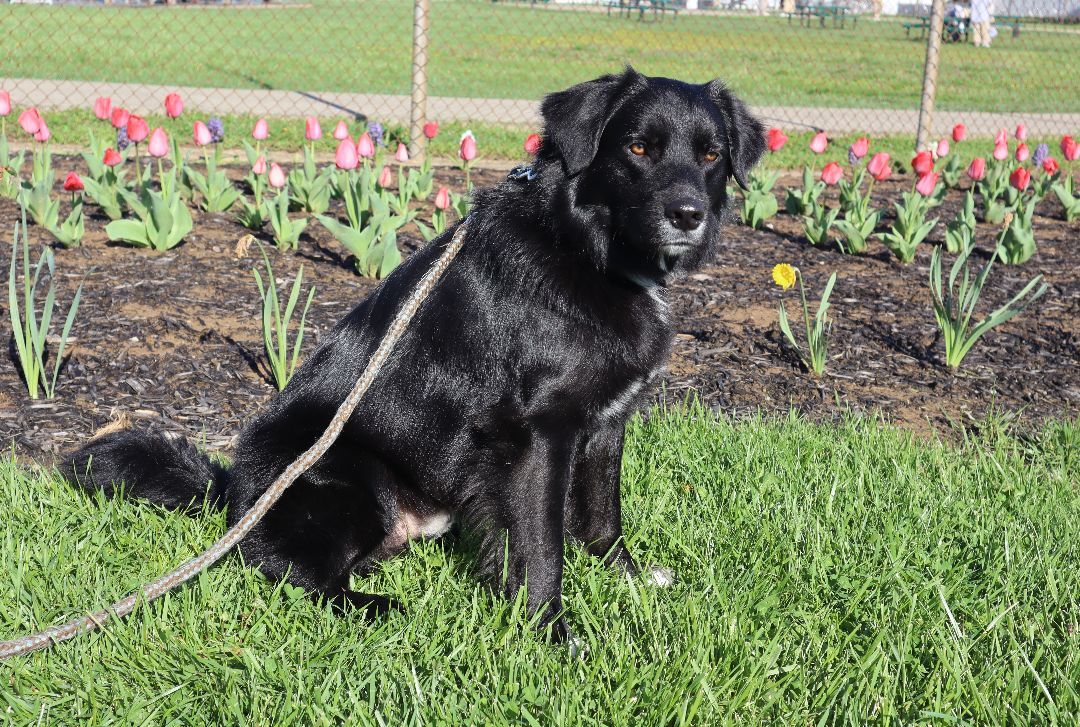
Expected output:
(483, 49)
(826, 574)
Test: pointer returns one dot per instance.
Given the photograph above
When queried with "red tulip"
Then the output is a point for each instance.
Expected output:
(5, 103)
(119, 117)
(365, 147)
(72, 183)
(1070, 149)
(259, 167)
(1001, 151)
(1021, 132)
(860, 148)
(819, 143)
(341, 131)
(102, 106)
(112, 158)
(442, 198)
(159, 143)
(402, 154)
(137, 129)
(345, 157)
(1019, 179)
(1050, 166)
(261, 130)
(532, 143)
(30, 121)
(174, 105)
(832, 173)
(959, 132)
(431, 129)
(942, 148)
(467, 150)
(776, 139)
(879, 166)
(312, 130)
(1001, 137)
(386, 178)
(43, 134)
(201, 134)
(1022, 152)
(977, 169)
(923, 163)
(926, 184)
(277, 177)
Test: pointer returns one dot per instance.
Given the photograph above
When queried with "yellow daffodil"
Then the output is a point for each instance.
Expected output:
(784, 275)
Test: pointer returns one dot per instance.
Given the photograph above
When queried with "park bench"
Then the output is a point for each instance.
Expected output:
(806, 12)
(659, 8)
(951, 30)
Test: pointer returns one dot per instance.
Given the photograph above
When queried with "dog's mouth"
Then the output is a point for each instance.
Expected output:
(670, 253)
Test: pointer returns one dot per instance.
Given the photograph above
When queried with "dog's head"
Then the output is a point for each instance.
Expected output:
(646, 164)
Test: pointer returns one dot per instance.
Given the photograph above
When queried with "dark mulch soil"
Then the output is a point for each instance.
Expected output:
(175, 337)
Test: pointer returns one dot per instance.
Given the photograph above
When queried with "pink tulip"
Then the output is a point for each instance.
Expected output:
(386, 178)
(923, 163)
(832, 173)
(1021, 132)
(102, 106)
(73, 183)
(137, 129)
(341, 131)
(1019, 179)
(1001, 137)
(442, 199)
(1001, 152)
(977, 170)
(201, 134)
(776, 139)
(861, 147)
(119, 117)
(364, 146)
(1050, 166)
(532, 143)
(259, 167)
(174, 105)
(159, 143)
(959, 132)
(467, 150)
(942, 148)
(879, 166)
(402, 154)
(30, 121)
(312, 130)
(819, 143)
(43, 134)
(1070, 149)
(926, 184)
(431, 129)
(111, 158)
(261, 130)
(5, 103)
(1022, 152)
(277, 177)
(345, 157)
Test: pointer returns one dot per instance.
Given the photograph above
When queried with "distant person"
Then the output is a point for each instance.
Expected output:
(982, 19)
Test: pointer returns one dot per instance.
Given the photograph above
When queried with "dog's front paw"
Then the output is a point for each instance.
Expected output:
(658, 575)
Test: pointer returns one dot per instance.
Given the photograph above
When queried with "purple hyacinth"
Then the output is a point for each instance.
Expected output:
(852, 159)
(1041, 152)
(122, 141)
(376, 131)
(217, 129)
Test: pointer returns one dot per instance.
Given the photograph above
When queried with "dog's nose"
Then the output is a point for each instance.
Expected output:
(685, 213)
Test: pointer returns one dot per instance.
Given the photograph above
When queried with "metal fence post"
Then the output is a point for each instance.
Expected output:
(930, 71)
(418, 103)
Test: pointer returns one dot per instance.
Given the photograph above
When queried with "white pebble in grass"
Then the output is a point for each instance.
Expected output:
(659, 576)
(578, 648)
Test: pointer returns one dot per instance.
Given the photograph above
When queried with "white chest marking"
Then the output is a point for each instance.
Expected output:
(432, 526)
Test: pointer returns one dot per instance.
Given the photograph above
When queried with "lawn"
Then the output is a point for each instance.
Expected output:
(829, 574)
(483, 49)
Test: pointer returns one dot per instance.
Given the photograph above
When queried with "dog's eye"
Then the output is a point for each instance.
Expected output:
(711, 156)
(638, 149)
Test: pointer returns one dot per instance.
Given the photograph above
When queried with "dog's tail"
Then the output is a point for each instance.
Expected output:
(150, 465)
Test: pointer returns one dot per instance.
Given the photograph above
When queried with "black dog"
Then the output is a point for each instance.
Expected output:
(504, 404)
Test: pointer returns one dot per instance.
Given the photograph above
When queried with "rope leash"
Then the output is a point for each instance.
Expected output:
(169, 581)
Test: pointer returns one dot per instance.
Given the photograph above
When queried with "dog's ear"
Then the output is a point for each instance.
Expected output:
(574, 119)
(745, 134)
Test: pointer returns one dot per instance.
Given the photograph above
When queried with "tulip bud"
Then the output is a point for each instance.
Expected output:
(776, 139)
(111, 158)
(431, 129)
(43, 134)
(102, 106)
(159, 143)
(386, 178)
(402, 154)
(261, 130)
(5, 103)
(860, 148)
(1021, 132)
(832, 173)
(345, 157)
(923, 163)
(879, 166)
(977, 169)
(442, 199)
(1022, 152)
(137, 129)
(1019, 179)
(72, 183)
(1001, 137)
(467, 150)
(259, 167)
(1001, 151)
(532, 143)
(1050, 166)
(119, 118)
(277, 177)
(201, 134)
(819, 143)
(959, 132)
(927, 183)
(341, 131)
(312, 130)
(174, 105)
(30, 121)
(1070, 149)
(365, 147)
(942, 148)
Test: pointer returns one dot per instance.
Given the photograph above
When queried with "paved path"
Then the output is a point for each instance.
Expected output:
(143, 98)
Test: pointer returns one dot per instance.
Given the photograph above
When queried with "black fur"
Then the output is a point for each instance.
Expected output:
(506, 399)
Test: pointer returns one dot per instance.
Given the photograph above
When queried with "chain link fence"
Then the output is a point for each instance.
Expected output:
(837, 65)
